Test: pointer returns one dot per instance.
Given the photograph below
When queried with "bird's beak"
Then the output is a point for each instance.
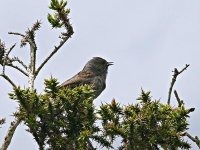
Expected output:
(110, 63)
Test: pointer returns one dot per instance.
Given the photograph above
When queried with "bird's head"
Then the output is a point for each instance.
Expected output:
(97, 65)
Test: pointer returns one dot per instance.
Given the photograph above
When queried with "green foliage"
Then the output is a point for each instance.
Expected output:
(63, 118)
(147, 125)
(56, 19)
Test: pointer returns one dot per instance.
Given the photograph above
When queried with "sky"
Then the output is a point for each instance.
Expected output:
(146, 40)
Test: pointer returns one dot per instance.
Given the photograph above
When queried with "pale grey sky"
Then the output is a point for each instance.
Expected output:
(145, 40)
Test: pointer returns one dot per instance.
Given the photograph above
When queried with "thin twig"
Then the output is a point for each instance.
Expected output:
(180, 102)
(8, 62)
(10, 49)
(194, 139)
(10, 133)
(17, 68)
(49, 57)
(16, 33)
(90, 146)
(175, 75)
(19, 61)
(9, 80)
(64, 38)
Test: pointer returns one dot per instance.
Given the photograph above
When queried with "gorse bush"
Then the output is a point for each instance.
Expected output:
(64, 118)
(61, 117)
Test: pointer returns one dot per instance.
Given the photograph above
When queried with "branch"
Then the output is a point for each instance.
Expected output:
(175, 75)
(6, 61)
(9, 80)
(10, 133)
(180, 102)
(17, 68)
(49, 57)
(64, 37)
(33, 47)
(194, 139)
(29, 38)
(10, 49)
(16, 33)
(19, 61)
(90, 146)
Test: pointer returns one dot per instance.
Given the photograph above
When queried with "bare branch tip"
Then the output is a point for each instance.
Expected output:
(16, 33)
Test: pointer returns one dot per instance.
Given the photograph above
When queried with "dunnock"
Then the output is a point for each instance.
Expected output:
(94, 73)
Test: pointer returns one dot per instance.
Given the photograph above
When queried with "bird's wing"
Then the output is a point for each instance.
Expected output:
(81, 78)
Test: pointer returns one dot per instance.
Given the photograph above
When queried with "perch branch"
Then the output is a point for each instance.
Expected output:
(10, 133)
(175, 75)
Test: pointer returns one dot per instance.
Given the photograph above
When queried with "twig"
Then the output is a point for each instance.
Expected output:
(8, 61)
(194, 139)
(90, 146)
(29, 38)
(64, 38)
(49, 57)
(180, 102)
(10, 133)
(19, 69)
(9, 80)
(175, 75)
(11, 48)
(19, 61)
(16, 33)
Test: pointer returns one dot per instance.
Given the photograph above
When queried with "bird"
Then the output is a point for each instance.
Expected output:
(94, 73)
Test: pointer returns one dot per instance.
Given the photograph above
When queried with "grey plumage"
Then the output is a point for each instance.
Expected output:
(94, 73)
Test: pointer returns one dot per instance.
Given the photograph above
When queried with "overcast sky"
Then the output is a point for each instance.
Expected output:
(145, 39)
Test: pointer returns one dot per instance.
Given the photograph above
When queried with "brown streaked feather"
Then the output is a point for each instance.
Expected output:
(81, 78)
